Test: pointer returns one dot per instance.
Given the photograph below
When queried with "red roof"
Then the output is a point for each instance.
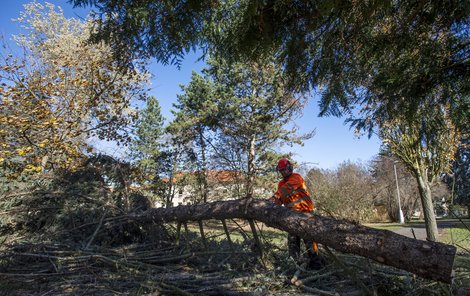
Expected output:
(214, 176)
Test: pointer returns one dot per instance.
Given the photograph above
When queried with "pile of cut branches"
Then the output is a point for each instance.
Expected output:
(192, 268)
(73, 237)
(142, 269)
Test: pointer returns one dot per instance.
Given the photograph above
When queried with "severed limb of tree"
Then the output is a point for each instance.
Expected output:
(258, 245)
(203, 236)
(432, 260)
(178, 230)
(227, 233)
(96, 231)
(353, 275)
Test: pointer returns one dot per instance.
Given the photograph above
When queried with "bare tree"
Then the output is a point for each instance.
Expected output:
(345, 192)
(383, 172)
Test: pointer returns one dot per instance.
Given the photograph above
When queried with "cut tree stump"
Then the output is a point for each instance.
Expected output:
(432, 260)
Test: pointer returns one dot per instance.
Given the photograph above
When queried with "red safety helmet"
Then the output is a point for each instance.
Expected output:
(284, 167)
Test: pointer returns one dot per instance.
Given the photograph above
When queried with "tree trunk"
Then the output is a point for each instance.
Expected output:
(205, 188)
(203, 236)
(251, 168)
(227, 233)
(250, 189)
(171, 185)
(428, 208)
(427, 259)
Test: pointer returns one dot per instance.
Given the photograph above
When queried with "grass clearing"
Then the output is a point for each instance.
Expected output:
(458, 236)
(385, 226)
(239, 231)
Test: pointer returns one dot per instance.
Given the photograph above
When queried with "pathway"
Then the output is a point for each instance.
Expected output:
(418, 230)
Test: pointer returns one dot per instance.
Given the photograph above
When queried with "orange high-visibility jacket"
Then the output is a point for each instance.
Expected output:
(292, 193)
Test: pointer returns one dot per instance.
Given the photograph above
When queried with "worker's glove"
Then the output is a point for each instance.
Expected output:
(275, 200)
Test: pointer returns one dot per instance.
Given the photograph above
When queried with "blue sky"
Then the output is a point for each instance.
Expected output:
(333, 143)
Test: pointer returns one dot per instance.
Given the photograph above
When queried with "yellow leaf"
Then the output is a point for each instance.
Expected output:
(29, 168)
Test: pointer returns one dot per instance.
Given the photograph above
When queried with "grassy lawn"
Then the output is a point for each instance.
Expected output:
(458, 236)
(239, 231)
(385, 226)
(456, 233)
(452, 231)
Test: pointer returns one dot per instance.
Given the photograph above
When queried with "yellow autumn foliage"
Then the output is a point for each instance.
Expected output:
(65, 92)
(429, 147)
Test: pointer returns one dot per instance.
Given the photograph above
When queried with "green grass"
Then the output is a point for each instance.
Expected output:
(385, 226)
(458, 236)
(214, 230)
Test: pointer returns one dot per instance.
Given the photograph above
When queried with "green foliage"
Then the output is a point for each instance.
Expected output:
(158, 155)
(253, 98)
(146, 146)
(234, 115)
(389, 56)
(163, 29)
(255, 108)
(165, 183)
(458, 179)
(195, 117)
(196, 112)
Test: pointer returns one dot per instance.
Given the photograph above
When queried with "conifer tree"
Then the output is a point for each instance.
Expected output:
(146, 146)
(195, 116)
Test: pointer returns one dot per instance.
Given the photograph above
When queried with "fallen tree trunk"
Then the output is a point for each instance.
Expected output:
(432, 260)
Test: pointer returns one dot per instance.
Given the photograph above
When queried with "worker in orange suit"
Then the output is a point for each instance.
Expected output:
(293, 194)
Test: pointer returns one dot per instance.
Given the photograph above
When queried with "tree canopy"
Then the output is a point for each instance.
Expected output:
(64, 92)
(389, 59)
(388, 56)
(146, 146)
(234, 115)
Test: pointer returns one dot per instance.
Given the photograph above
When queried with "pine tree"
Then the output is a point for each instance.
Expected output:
(146, 146)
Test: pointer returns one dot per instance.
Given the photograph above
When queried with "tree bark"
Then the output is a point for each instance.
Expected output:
(251, 168)
(432, 260)
(203, 165)
(428, 208)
